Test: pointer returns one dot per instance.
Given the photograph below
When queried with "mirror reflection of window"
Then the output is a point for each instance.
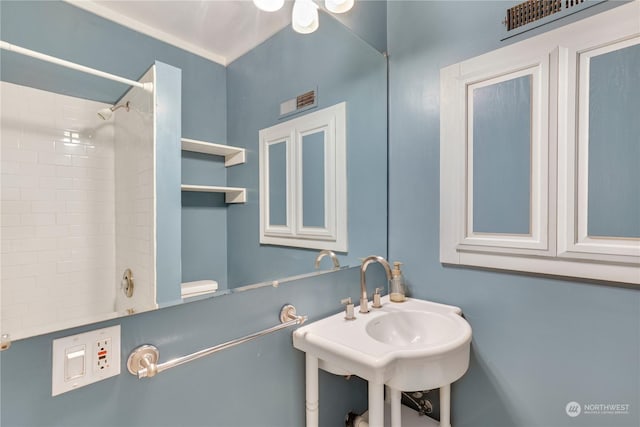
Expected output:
(313, 179)
(278, 183)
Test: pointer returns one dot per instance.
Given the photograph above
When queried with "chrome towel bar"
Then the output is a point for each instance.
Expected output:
(143, 361)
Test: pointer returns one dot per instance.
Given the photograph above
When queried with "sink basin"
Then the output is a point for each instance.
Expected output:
(413, 345)
(412, 328)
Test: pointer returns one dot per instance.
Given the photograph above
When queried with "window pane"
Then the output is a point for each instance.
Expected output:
(502, 157)
(313, 180)
(614, 144)
(278, 184)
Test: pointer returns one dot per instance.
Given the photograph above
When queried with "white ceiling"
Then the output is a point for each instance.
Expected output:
(220, 30)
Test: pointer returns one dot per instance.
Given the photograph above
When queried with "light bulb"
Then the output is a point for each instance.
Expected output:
(269, 5)
(338, 6)
(304, 18)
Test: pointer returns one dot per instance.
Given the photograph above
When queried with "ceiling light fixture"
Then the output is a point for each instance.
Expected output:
(269, 5)
(304, 17)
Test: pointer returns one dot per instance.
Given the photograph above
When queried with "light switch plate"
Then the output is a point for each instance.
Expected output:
(79, 360)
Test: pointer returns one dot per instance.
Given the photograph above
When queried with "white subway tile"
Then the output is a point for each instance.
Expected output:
(13, 272)
(19, 156)
(10, 220)
(54, 159)
(40, 142)
(10, 168)
(70, 195)
(19, 181)
(38, 219)
(67, 147)
(18, 258)
(49, 231)
(18, 232)
(71, 171)
(37, 194)
(16, 206)
(10, 194)
(43, 206)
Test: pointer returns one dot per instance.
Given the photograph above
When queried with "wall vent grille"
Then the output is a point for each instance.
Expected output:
(534, 10)
(306, 99)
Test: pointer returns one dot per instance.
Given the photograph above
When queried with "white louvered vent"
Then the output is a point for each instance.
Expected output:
(299, 103)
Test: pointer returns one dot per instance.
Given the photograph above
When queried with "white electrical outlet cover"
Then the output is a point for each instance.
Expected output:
(82, 359)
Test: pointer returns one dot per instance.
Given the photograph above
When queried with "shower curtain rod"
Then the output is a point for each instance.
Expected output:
(32, 53)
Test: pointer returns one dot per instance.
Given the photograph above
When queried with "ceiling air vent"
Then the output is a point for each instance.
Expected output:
(533, 10)
(299, 103)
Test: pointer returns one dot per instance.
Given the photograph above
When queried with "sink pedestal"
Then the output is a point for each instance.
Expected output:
(416, 345)
(376, 400)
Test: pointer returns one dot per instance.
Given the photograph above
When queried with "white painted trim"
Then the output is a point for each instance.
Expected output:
(332, 121)
(537, 239)
(578, 194)
(232, 194)
(568, 253)
(232, 155)
(140, 27)
(554, 266)
(327, 232)
(267, 138)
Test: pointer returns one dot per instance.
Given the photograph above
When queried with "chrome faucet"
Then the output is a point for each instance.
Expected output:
(364, 301)
(334, 258)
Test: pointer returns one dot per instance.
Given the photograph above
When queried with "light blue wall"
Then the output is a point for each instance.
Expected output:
(258, 384)
(168, 81)
(367, 19)
(343, 68)
(538, 342)
(204, 220)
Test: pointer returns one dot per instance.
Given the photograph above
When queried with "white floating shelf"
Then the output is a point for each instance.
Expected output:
(232, 155)
(232, 194)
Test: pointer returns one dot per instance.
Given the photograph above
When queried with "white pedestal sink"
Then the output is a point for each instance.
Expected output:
(408, 346)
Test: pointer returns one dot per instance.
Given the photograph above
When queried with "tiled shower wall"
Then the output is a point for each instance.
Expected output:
(58, 213)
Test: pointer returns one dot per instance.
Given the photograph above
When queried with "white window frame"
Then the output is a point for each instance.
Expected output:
(568, 251)
(574, 187)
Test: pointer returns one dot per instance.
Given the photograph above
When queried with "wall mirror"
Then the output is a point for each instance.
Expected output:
(213, 240)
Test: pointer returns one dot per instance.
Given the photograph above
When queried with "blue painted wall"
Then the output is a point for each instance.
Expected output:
(538, 342)
(258, 384)
(343, 68)
(367, 19)
(168, 130)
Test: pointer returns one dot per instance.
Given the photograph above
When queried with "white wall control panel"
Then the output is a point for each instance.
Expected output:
(82, 359)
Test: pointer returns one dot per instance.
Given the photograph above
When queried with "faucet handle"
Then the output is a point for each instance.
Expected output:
(348, 310)
(376, 299)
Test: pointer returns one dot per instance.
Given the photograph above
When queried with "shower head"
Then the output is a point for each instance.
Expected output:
(106, 113)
